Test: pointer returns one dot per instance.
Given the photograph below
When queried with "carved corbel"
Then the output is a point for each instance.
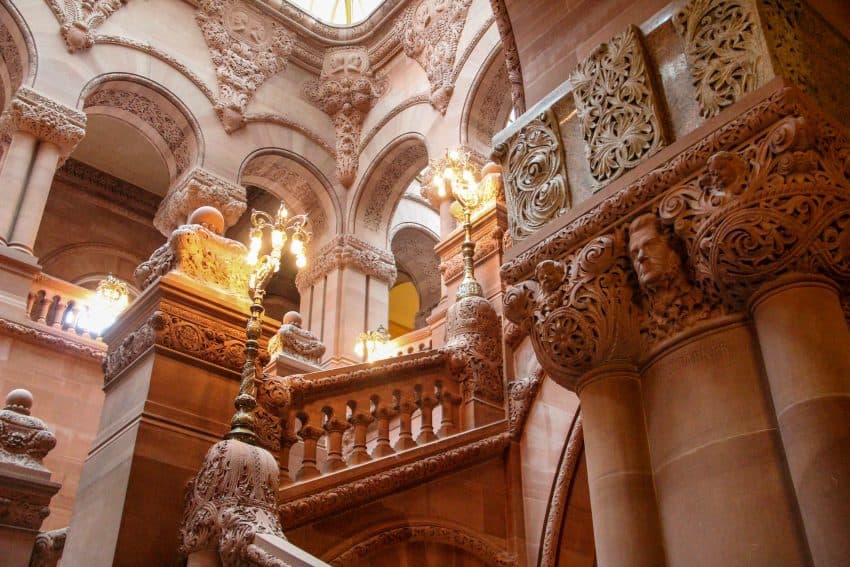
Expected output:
(431, 32)
(46, 119)
(231, 500)
(81, 18)
(779, 205)
(521, 396)
(473, 345)
(580, 313)
(200, 188)
(246, 49)
(346, 90)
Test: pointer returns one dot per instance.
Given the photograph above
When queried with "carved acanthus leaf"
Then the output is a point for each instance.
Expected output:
(617, 107)
(46, 119)
(521, 396)
(349, 251)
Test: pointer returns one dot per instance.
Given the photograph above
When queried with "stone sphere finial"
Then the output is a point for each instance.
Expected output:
(292, 318)
(19, 401)
(209, 218)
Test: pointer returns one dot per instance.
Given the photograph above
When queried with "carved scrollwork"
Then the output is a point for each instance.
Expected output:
(725, 49)
(291, 339)
(473, 345)
(536, 187)
(82, 17)
(48, 548)
(617, 107)
(521, 395)
(580, 312)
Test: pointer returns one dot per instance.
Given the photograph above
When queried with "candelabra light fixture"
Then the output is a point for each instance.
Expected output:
(455, 177)
(283, 228)
(372, 345)
(110, 298)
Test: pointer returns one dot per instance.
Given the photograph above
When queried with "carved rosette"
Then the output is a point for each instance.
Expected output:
(725, 49)
(431, 32)
(779, 205)
(348, 251)
(246, 48)
(46, 119)
(474, 348)
(231, 500)
(202, 255)
(346, 90)
(579, 312)
(536, 188)
(198, 189)
(617, 107)
(80, 19)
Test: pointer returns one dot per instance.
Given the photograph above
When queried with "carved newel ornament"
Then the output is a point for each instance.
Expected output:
(231, 500)
(474, 347)
(291, 339)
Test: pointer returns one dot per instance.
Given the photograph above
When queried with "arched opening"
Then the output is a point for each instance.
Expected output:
(417, 289)
(488, 104)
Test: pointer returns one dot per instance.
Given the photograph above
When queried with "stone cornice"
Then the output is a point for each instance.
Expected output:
(46, 337)
(46, 119)
(348, 251)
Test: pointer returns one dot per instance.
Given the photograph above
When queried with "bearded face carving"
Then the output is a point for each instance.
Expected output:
(655, 261)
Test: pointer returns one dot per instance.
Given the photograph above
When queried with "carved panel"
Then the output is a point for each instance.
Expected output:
(536, 188)
(246, 49)
(725, 49)
(617, 107)
(432, 30)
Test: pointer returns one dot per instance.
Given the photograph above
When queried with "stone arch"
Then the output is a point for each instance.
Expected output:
(488, 103)
(383, 186)
(80, 261)
(152, 110)
(299, 184)
(17, 51)
(370, 542)
(413, 247)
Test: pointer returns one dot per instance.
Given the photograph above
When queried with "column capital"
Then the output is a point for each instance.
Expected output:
(348, 251)
(46, 119)
(199, 188)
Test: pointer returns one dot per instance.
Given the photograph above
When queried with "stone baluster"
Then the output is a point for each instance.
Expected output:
(335, 427)
(59, 305)
(585, 333)
(39, 307)
(448, 426)
(311, 436)
(286, 442)
(426, 427)
(383, 448)
(405, 406)
(359, 454)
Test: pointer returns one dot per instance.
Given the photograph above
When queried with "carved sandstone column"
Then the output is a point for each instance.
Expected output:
(767, 228)
(585, 332)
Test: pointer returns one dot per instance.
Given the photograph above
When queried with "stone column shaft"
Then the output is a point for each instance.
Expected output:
(38, 186)
(805, 344)
(13, 178)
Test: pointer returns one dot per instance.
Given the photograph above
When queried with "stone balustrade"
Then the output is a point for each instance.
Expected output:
(59, 304)
(418, 340)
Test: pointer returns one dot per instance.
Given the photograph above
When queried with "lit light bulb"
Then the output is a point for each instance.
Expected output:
(297, 245)
(358, 348)
(278, 239)
(468, 177)
(300, 261)
(282, 213)
(450, 174)
(454, 155)
(254, 247)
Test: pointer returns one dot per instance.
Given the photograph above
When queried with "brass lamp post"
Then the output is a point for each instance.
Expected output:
(283, 228)
(454, 177)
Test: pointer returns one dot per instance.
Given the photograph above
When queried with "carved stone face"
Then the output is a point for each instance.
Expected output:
(655, 261)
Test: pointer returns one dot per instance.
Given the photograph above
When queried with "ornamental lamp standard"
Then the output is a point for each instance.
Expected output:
(455, 177)
(283, 228)
(372, 345)
(109, 300)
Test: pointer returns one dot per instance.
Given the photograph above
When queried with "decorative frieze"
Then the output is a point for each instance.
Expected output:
(617, 106)
(46, 119)
(198, 189)
(346, 91)
(348, 251)
(536, 188)
(432, 30)
(246, 48)
(83, 348)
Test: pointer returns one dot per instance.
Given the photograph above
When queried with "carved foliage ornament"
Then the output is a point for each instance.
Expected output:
(291, 339)
(349, 251)
(521, 396)
(346, 91)
(536, 186)
(200, 188)
(246, 49)
(80, 18)
(231, 500)
(617, 107)
(506, 32)
(474, 348)
(725, 49)
(45, 119)
(48, 548)
(432, 30)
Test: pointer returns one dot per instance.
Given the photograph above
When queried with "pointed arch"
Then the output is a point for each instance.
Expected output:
(488, 103)
(18, 57)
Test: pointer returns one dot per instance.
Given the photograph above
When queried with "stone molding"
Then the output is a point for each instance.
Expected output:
(618, 107)
(246, 48)
(48, 120)
(509, 48)
(348, 251)
(521, 396)
(452, 536)
(199, 188)
(550, 540)
(535, 177)
(109, 192)
(31, 333)
(346, 90)
(349, 495)
(202, 255)
(48, 548)
(431, 33)
(231, 500)
(474, 349)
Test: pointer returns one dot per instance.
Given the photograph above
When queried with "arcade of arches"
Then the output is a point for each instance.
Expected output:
(654, 368)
